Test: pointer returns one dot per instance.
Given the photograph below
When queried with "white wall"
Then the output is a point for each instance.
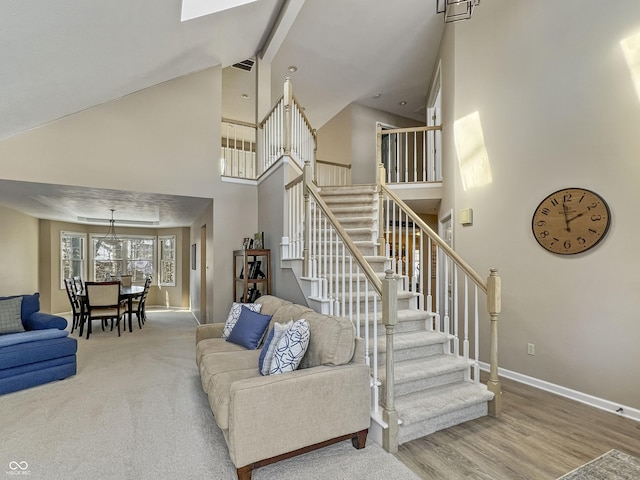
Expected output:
(163, 139)
(558, 109)
(350, 138)
(272, 217)
(18, 253)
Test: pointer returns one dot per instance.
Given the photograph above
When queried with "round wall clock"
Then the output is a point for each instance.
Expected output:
(570, 221)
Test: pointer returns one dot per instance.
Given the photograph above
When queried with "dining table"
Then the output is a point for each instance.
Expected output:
(127, 294)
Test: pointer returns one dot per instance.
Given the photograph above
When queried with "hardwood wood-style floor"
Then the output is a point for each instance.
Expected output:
(540, 436)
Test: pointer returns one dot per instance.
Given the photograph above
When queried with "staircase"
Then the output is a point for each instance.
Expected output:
(432, 386)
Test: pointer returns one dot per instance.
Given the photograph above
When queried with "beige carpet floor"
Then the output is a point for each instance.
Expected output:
(136, 410)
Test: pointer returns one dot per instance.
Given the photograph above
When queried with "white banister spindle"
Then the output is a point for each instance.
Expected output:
(415, 156)
(405, 173)
(454, 312)
(367, 321)
(410, 154)
(465, 343)
(476, 340)
(344, 285)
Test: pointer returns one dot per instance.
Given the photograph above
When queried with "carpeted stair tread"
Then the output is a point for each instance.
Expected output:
(344, 189)
(409, 315)
(434, 365)
(420, 406)
(352, 209)
(423, 338)
(403, 295)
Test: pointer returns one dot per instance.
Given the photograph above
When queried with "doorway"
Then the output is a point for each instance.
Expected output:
(434, 119)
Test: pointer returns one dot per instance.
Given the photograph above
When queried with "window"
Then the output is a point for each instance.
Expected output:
(72, 255)
(133, 255)
(167, 260)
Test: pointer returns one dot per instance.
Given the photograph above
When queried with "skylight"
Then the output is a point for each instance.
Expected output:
(199, 8)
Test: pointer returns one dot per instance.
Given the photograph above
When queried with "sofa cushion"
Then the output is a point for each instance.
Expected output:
(332, 340)
(33, 352)
(214, 345)
(270, 304)
(31, 336)
(221, 362)
(288, 312)
(249, 329)
(291, 348)
(269, 347)
(44, 321)
(10, 311)
(27, 376)
(30, 305)
(234, 315)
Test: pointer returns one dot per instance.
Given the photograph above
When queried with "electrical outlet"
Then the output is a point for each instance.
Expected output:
(531, 349)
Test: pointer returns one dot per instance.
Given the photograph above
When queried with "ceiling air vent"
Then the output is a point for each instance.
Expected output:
(246, 65)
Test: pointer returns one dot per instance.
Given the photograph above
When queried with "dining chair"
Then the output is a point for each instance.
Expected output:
(103, 303)
(77, 284)
(138, 304)
(75, 303)
(125, 280)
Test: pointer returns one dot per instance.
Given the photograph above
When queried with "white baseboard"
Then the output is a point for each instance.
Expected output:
(600, 403)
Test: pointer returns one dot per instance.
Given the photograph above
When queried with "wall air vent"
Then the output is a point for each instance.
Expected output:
(246, 65)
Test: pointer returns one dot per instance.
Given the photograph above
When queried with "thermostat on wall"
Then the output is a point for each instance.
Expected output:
(466, 216)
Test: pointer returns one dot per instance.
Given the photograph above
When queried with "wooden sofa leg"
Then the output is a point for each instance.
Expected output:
(244, 473)
(359, 439)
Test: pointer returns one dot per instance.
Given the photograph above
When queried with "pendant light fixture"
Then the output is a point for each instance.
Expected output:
(111, 238)
(456, 10)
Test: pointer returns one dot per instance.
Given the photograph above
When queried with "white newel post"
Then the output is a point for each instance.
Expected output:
(380, 181)
(494, 306)
(288, 102)
(307, 183)
(389, 319)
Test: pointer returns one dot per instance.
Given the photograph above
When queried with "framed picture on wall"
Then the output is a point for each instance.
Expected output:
(193, 256)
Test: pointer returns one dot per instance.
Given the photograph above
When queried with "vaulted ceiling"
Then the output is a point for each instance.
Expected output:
(58, 58)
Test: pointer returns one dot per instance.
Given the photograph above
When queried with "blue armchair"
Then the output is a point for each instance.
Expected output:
(44, 352)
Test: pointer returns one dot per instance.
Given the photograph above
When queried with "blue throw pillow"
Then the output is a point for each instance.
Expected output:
(249, 329)
(234, 315)
(30, 305)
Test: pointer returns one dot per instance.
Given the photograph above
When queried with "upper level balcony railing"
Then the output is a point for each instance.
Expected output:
(238, 152)
(410, 155)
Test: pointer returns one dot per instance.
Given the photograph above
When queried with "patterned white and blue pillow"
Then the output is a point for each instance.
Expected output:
(270, 344)
(291, 348)
(234, 315)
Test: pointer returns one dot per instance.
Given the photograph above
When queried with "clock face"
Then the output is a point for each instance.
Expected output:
(570, 221)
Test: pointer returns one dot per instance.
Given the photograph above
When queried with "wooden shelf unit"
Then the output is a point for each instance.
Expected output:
(242, 262)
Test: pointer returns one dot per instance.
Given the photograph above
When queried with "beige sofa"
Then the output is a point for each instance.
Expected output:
(269, 418)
